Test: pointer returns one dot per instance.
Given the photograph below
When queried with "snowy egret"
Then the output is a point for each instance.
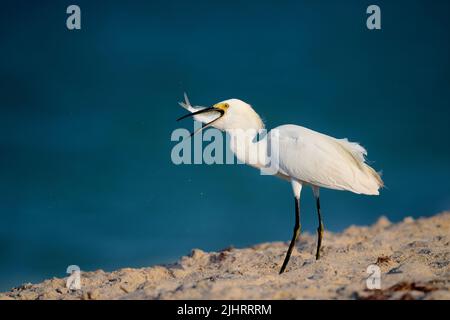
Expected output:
(305, 157)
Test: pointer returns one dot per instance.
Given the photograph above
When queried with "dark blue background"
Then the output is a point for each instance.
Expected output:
(86, 117)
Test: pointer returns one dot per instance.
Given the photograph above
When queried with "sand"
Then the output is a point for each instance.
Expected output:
(413, 257)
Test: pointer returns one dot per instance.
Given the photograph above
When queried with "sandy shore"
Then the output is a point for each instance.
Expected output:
(413, 255)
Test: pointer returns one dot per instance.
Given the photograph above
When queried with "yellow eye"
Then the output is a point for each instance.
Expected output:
(224, 106)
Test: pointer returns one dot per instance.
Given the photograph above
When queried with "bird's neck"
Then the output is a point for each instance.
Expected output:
(245, 145)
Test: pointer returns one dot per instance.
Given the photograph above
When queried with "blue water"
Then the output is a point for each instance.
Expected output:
(86, 117)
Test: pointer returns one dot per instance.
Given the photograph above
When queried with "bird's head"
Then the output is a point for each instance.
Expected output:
(231, 114)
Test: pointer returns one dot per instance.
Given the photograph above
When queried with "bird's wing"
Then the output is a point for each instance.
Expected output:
(324, 161)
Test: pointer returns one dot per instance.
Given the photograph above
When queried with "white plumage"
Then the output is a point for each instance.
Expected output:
(305, 157)
(323, 161)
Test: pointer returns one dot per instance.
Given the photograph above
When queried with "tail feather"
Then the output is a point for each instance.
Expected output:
(370, 181)
(375, 175)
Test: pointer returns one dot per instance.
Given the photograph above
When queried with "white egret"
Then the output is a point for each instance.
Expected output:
(305, 157)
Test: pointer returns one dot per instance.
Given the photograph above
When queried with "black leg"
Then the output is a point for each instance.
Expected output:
(294, 236)
(319, 229)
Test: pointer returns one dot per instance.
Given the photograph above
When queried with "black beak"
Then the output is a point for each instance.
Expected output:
(205, 125)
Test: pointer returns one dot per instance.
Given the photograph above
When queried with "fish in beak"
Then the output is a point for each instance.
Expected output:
(205, 115)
